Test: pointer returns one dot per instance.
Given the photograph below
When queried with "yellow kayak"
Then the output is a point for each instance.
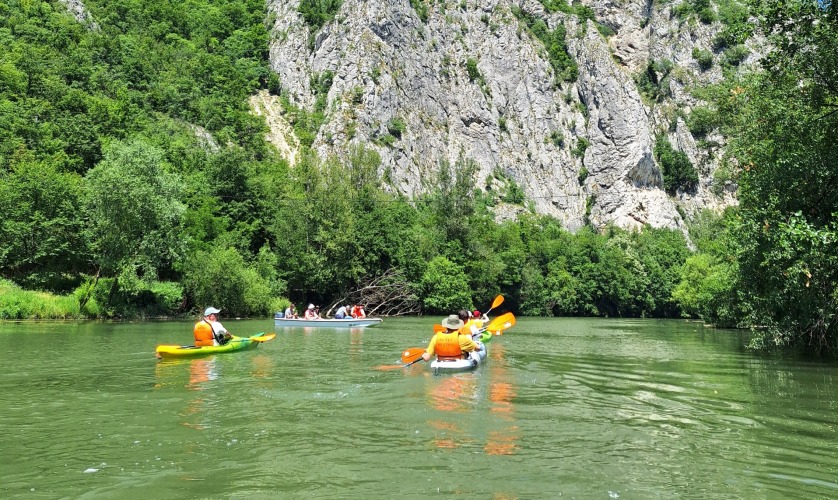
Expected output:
(189, 351)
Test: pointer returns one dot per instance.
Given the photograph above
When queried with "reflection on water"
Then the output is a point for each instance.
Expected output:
(504, 439)
(577, 408)
(454, 395)
(201, 370)
(461, 398)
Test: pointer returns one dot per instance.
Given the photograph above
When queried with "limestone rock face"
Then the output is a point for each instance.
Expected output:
(468, 82)
(80, 12)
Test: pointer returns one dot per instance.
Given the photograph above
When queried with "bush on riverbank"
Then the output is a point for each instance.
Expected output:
(16, 303)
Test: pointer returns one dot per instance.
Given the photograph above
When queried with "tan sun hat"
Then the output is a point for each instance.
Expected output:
(452, 322)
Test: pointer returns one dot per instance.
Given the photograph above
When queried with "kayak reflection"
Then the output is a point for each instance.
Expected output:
(200, 371)
(502, 441)
(456, 395)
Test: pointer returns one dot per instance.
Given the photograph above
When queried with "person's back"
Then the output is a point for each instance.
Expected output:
(342, 312)
(470, 328)
(358, 312)
(450, 344)
(203, 333)
(208, 331)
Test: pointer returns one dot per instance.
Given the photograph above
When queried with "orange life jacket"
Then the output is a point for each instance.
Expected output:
(203, 333)
(448, 345)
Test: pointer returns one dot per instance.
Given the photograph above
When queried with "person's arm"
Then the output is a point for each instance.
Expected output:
(466, 344)
(221, 334)
(430, 350)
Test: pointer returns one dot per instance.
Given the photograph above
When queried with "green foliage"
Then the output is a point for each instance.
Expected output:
(133, 209)
(661, 253)
(583, 175)
(678, 171)
(422, 9)
(734, 55)
(320, 85)
(564, 67)
(581, 145)
(653, 82)
(317, 13)
(782, 126)
(702, 120)
(701, 8)
(514, 193)
(41, 226)
(736, 24)
(444, 287)
(706, 290)
(220, 276)
(472, 71)
(703, 57)
(130, 295)
(17, 304)
(396, 127)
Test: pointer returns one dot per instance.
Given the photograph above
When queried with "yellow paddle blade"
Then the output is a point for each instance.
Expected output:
(259, 337)
(501, 323)
(439, 328)
(498, 301)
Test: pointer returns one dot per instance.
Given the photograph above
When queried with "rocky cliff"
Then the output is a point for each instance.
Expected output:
(434, 82)
(581, 150)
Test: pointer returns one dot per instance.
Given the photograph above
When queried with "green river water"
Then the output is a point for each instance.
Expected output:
(577, 408)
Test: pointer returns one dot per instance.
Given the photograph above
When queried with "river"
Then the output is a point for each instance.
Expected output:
(579, 408)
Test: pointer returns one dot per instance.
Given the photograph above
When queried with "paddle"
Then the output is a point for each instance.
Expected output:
(410, 356)
(259, 338)
(498, 301)
(501, 323)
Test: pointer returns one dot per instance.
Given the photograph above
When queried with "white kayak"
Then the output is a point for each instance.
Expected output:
(326, 323)
(473, 360)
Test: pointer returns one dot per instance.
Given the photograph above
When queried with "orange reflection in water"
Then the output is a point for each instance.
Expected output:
(201, 371)
(452, 394)
(449, 394)
(356, 343)
(263, 366)
(503, 441)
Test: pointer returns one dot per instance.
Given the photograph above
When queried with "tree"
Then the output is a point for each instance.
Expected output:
(783, 122)
(221, 276)
(444, 287)
(41, 228)
(133, 208)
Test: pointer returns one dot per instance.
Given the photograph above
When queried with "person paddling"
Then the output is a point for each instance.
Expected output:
(208, 331)
(473, 325)
(450, 344)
